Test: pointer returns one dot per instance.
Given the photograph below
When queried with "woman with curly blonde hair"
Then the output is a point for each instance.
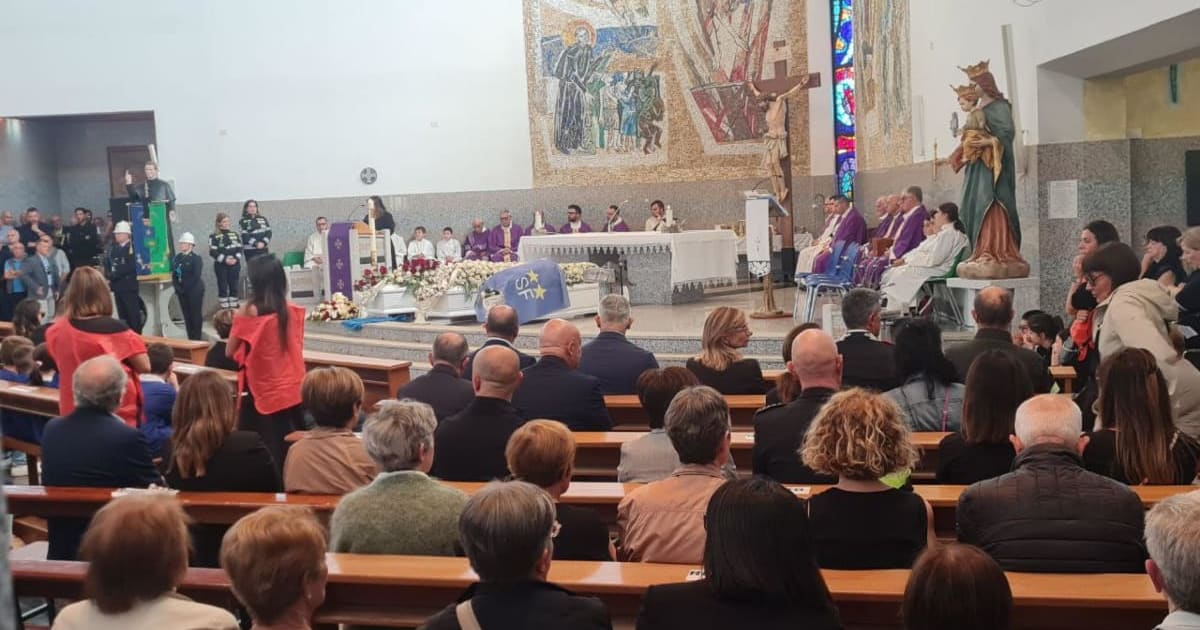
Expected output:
(862, 523)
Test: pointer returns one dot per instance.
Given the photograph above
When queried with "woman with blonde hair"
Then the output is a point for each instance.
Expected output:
(137, 549)
(85, 329)
(208, 455)
(275, 559)
(862, 523)
(542, 452)
(225, 247)
(1187, 295)
(1138, 442)
(720, 364)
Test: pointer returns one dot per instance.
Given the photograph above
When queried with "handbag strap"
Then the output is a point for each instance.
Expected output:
(945, 408)
(466, 616)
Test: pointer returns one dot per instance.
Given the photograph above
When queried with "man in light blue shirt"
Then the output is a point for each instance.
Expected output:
(1173, 540)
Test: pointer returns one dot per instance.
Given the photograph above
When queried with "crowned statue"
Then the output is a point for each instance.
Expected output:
(989, 197)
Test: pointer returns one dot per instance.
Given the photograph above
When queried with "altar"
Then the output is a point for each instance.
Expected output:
(662, 268)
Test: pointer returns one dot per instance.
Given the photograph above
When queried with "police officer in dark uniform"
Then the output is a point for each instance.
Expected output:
(123, 279)
(185, 276)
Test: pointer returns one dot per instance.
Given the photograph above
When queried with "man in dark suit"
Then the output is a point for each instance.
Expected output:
(91, 447)
(555, 389)
(611, 357)
(779, 429)
(470, 444)
(502, 328)
(993, 316)
(443, 387)
(867, 362)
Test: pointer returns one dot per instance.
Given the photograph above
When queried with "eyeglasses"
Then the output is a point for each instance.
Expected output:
(1093, 278)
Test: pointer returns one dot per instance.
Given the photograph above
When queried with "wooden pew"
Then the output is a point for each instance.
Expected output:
(33, 453)
(382, 377)
(186, 350)
(402, 591)
(1065, 375)
(627, 414)
(184, 370)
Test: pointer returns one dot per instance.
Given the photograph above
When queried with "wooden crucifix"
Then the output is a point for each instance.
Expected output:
(772, 95)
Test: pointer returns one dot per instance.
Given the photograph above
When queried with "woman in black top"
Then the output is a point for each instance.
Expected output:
(862, 523)
(1161, 258)
(1094, 235)
(542, 452)
(759, 568)
(208, 455)
(996, 385)
(720, 364)
(786, 387)
(383, 220)
(1138, 442)
(1042, 334)
(255, 230)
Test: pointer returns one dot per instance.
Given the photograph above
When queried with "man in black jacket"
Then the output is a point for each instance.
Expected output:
(502, 328)
(993, 316)
(779, 429)
(867, 361)
(442, 387)
(554, 388)
(1049, 514)
(93, 448)
(81, 241)
(611, 357)
(470, 444)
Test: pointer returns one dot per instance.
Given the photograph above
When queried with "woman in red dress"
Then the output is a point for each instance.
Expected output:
(85, 329)
(267, 343)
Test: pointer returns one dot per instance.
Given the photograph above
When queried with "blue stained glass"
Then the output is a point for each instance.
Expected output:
(845, 158)
(843, 33)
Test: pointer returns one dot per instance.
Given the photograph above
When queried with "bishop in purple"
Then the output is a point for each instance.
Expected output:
(475, 246)
(504, 239)
(851, 229)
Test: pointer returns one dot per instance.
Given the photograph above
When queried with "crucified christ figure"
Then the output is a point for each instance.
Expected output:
(776, 138)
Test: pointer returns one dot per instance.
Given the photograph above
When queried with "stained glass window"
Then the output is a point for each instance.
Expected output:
(846, 165)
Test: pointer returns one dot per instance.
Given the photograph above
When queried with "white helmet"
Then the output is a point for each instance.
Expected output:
(122, 227)
(187, 238)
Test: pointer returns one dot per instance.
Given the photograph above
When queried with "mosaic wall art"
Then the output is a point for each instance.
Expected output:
(883, 69)
(653, 90)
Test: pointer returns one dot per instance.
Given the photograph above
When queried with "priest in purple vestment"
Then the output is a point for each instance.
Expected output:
(870, 266)
(907, 232)
(851, 229)
(613, 221)
(574, 224)
(475, 246)
(504, 239)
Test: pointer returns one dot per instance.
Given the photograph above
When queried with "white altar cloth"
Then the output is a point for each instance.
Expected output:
(698, 258)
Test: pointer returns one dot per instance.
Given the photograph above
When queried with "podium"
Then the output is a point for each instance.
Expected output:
(348, 249)
(761, 207)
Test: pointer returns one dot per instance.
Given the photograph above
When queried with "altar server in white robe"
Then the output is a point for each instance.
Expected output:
(419, 246)
(806, 256)
(314, 250)
(931, 259)
(449, 249)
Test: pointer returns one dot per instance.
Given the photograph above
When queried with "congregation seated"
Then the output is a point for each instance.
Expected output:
(501, 328)
(863, 523)
(932, 258)
(1187, 296)
(930, 395)
(443, 387)
(720, 364)
(610, 357)
(1162, 258)
(507, 530)
(996, 386)
(46, 373)
(993, 315)
(663, 521)
(786, 387)
(954, 586)
(1137, 442)
(1173, 540)
(1133, 313)
(779, 429)
(158, 392)
(866, 361)
(27, 320)
(17, 365)
(207, 454)
(329, 459)
(403, 510)
(760, 569)
(1041, 336)
(222, 322)
(137, 552)
(1050, 514)
(542, 452)
(555, 388)
(91, 447)
(470, 444)
(275, 560)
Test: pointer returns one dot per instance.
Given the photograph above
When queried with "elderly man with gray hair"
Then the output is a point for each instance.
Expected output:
(867, 361)
(1174, 565)
(403, 511)
(663, 521)
(1049, 514)
(92, 447)
(508, 530)
(611, 357)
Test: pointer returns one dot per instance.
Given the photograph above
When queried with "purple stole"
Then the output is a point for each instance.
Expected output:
(619, 226)
(584, 228)
(852, 229)
(496, 243)
(910, 234)
(475, 247)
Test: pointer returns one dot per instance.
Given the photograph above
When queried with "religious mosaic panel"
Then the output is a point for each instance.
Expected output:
(884, 95)
(654, 90)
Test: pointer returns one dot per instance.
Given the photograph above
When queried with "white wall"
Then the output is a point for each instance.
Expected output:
(284, 99)
(820, 101)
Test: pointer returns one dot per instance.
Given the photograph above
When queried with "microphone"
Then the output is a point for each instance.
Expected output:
(354, 211)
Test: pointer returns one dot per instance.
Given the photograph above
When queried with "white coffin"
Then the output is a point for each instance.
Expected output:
(585, 300)
(392, 300)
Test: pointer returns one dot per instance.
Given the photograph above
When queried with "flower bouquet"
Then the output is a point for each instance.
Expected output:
(337, 308)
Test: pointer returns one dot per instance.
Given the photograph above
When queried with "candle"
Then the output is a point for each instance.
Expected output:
(538, 224)
(371, 225)
(670, 216)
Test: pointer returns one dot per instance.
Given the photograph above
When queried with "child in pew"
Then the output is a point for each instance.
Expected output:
(159, 389)
(46, 374)
(222, 322)
(16, 364)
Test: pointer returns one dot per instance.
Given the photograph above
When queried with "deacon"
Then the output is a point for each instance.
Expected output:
(852, 228)
(504, 238)
(476, 247)
(314, 250)
(153, 189)
(574, 224)
(122, 277)
(613, 221)
(189, 287)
